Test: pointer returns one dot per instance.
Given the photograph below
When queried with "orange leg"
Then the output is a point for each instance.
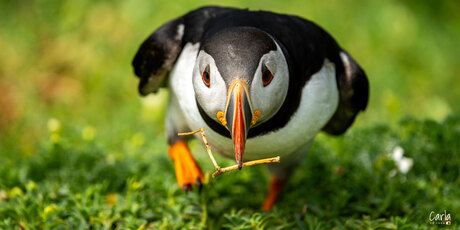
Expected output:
(188, 172)
(274, 191)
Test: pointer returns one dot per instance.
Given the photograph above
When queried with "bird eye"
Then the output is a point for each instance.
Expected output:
(267, 76)
(206, 76)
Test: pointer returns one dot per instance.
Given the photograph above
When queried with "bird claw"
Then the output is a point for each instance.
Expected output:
(188, 187)
(199, 185)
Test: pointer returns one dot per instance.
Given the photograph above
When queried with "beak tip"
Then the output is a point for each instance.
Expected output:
(240, 165)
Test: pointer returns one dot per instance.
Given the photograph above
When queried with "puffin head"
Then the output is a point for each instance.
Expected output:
(240, 80)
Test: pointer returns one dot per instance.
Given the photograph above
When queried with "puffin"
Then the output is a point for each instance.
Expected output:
(261, 84)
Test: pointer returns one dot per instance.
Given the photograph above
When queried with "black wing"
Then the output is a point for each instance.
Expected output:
(354, 93)
(160, 50)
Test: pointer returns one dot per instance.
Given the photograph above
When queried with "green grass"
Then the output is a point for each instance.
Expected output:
(80, 148)
(345, 182)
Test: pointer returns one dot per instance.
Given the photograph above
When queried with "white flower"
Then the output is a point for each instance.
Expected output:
(397, 153)
(404, 164)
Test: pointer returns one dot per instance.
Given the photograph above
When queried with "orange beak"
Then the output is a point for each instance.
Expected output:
(239, 116)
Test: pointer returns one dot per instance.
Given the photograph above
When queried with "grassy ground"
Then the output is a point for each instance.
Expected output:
(351, 183)
(80, 148)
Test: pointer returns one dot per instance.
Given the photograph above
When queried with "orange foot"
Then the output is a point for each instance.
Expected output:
(188, 172)
(274, 191)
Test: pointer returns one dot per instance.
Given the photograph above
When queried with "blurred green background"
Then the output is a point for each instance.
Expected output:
(66, 65)
(71, 60)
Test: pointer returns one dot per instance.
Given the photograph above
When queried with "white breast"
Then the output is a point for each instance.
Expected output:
(318, 103)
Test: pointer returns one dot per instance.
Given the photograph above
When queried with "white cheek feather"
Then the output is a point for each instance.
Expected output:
(264, 98)
(318, 103)
(181, 85)
(212, 98)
